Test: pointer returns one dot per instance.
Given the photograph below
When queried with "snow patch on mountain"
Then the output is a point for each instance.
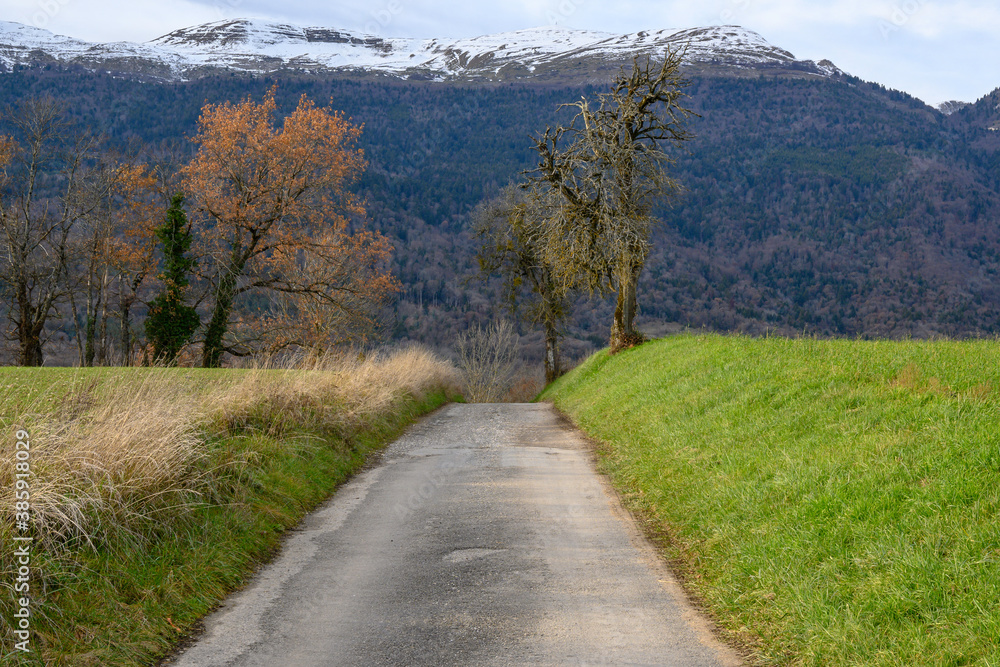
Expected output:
(262, 46)
(952, 106)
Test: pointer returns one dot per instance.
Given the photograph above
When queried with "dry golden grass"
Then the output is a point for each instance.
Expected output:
(120, 449)
(103, 451)
(334, 391)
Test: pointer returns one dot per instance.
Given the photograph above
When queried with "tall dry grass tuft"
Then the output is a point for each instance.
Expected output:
(100, 453)
(110, 454)
(335, 392)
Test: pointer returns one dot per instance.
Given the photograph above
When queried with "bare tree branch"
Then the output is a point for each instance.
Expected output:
(609, 175)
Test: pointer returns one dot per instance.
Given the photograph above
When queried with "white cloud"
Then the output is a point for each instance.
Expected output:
(940, 20)
(104, 21)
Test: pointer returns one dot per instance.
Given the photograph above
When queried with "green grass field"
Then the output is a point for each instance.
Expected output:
(177, 484)
(827, 502)
(21, 386)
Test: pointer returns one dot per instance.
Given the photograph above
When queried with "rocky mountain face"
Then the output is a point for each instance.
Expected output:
(253, 46)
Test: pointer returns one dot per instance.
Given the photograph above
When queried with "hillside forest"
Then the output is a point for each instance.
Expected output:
(828, 206)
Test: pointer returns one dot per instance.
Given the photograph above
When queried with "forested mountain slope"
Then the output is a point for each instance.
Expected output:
(828, 205)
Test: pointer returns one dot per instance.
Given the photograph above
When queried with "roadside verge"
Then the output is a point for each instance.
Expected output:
(133, 545)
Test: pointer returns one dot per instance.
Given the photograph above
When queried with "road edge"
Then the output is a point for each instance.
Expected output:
(650, 539)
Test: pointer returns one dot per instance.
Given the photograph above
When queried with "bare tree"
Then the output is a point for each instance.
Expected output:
(133, 260)
(511, 230)
(39, 206)
(609, 176)
(486, 356)
(91, 270)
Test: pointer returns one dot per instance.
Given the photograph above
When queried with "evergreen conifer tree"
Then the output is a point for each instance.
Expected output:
(171, 323)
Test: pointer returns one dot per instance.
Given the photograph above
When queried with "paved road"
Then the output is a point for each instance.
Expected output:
(482, 538)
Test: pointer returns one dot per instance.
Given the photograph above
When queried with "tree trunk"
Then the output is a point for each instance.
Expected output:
(31, 351)
(30, 339)
(211, 354)
(126, 327)
(90, 324)
(102, 323)
(89, 349)
(553, 364)
(76, 325)
(28, 330)
(623, 334)
(127, 295)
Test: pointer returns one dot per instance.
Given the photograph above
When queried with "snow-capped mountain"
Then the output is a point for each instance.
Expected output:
(259, 46)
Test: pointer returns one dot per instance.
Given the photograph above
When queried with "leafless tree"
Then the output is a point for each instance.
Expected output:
(40, 202)
(114, 243)
(610, 174)
(487, 356)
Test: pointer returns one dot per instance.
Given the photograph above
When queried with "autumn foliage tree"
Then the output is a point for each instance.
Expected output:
(6, 152)
(278, 215)
(132, 249)
(114, 248)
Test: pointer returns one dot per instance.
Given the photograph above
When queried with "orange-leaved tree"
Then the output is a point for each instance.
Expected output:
(334, 297)
(132, 249)
(6, 152)
(277, 203)
(113, 244)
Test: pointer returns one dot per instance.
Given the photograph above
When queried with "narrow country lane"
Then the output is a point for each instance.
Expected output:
(484, 537)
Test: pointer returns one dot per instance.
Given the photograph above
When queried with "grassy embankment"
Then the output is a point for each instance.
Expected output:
(154, 492)
(828, 502)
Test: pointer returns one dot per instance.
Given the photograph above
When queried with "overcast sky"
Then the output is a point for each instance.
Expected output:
(935, 49)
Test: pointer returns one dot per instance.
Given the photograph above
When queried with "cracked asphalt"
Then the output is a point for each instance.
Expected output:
(483, 537)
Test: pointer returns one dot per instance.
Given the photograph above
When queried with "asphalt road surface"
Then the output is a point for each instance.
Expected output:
(484, 537)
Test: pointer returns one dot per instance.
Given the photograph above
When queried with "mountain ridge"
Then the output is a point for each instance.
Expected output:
(265, 47)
